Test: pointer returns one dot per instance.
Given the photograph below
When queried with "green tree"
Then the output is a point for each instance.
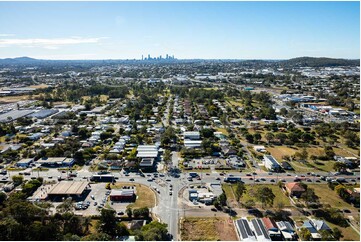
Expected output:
(129, 212)
(154, 231)
(97, 237)
(281, 137)
(240, 190)
(339, 166)
(305, 234)
(265, 196)
(337, 234)
(309, 196)
(108, 222)
(2, 198)
(269, 137)
(17, 179)
(167, 157)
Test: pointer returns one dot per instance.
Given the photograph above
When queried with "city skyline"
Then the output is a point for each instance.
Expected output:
(187, 30)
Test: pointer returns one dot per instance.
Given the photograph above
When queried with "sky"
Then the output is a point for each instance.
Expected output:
(205, 30)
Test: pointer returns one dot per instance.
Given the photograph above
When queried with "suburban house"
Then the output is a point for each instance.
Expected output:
(272, 228)
(244, 230)
(294, 189)
(287, 230)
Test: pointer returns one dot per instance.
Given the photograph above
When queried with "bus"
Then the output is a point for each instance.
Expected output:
(102, 178)
(232, 179)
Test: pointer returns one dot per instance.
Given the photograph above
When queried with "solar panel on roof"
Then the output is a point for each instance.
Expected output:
(256, 227)
(248, 229)
(242, 229)
(261, 225)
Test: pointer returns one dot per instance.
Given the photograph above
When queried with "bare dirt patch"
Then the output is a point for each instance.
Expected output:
(208, 229)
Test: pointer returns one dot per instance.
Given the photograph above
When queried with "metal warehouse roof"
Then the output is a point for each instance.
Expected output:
(68, 188)
(15, 114)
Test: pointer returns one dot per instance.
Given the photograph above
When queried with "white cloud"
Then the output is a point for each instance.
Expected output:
(49, 43)
(6, 35)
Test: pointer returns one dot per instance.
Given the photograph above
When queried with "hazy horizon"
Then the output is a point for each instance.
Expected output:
(187, 30)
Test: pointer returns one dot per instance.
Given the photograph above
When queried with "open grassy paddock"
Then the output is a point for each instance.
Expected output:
(250, 194)
(327, 196)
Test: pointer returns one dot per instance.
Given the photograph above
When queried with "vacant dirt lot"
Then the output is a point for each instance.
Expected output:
(206, 229)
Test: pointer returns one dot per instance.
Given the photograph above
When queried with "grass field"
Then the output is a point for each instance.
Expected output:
(223, 130)
(208, 229)
(327, 196)
(103, 98)
(235, 103)
(12, 99)
(145, 196)
(40, 86)
(348, 233)
(250, 194)
(279, 151)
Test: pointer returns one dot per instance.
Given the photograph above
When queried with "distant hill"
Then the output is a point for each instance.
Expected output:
(18, 60)
(295, 62)
(319, 62)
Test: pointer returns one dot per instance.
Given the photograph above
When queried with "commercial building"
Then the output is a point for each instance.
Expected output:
(192, 143)
(147, 164)
(147, 151)
(13, 115)
(192, 135)
(43, 113)
(271, 163)
(56, 161)
(68, 189)
(24, 163)
(123, 195)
